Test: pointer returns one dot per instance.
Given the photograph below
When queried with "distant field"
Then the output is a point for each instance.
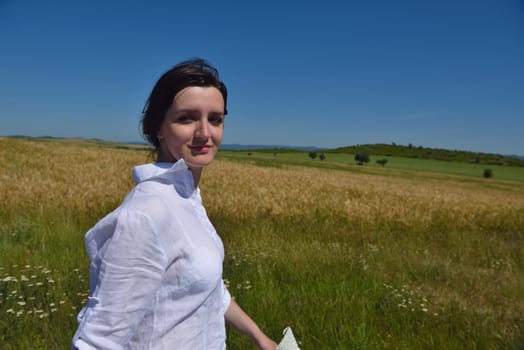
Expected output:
(338, 160)
(352, 257)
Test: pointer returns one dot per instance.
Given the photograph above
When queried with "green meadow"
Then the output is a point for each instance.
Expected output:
(338, 160)
(414, 255)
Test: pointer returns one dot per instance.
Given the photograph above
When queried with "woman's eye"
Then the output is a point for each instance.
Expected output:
(216, 120)
(186, 118)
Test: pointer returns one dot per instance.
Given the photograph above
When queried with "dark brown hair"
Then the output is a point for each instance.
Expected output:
(194, 72)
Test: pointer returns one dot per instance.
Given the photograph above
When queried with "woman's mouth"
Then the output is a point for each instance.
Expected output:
(200, 149)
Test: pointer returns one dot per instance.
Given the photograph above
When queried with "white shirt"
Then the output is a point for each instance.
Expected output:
(156, 269)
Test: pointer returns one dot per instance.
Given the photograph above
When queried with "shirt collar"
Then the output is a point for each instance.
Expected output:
(177, 173)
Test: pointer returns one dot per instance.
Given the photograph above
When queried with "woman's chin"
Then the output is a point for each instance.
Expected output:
(199, 161)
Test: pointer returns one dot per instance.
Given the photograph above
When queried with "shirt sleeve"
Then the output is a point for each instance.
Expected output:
(226, 298)
(128, 271)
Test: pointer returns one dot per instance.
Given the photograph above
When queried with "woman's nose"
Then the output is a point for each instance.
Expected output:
(203, 129)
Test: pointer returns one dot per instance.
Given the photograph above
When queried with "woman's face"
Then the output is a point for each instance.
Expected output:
(193, 127)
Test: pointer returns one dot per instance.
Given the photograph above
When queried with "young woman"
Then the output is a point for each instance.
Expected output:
(156, 260)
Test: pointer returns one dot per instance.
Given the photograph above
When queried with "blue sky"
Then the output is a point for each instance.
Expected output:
(447, 74)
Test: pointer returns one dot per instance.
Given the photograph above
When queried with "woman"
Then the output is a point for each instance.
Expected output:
(156, 260)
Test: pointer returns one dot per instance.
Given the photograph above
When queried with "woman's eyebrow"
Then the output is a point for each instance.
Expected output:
(196, 110)
(187, 110)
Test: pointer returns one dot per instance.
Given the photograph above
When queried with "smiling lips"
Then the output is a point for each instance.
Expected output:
(201, 149)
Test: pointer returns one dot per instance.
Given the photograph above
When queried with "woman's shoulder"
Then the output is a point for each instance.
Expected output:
(148, 198)
(144, 211)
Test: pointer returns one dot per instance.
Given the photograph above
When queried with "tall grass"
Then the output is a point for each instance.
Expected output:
(366, 259)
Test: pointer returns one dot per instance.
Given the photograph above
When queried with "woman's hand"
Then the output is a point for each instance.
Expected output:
(236, 317)
(266, 343)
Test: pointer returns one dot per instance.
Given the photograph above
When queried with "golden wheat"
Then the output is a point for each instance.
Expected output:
(248, 190)
(51, 175)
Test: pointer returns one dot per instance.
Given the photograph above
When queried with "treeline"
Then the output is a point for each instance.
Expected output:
(411, 151)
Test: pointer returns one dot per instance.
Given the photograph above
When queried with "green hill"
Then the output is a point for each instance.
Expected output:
(390, 150)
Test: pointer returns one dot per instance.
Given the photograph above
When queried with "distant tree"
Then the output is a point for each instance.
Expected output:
(361, 158)
(382, 161)
(312, 154)
(249, 153)
(274, 154)
(488, 173)
(410, 145)
(321, 156)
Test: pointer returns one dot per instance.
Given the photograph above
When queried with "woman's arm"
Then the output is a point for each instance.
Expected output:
(129, 273)
(236, 317)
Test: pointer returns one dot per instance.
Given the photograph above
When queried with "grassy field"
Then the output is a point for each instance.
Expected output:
(344, 160)
(352, 257)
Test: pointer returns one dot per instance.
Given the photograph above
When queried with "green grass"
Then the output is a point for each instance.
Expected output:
(332, 289)
(305, 272)
(43, 282)
(344, 161)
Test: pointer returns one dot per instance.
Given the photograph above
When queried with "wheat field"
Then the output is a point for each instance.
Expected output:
(368, 259)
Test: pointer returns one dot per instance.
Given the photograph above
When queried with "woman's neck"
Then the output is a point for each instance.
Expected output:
(197, 174)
